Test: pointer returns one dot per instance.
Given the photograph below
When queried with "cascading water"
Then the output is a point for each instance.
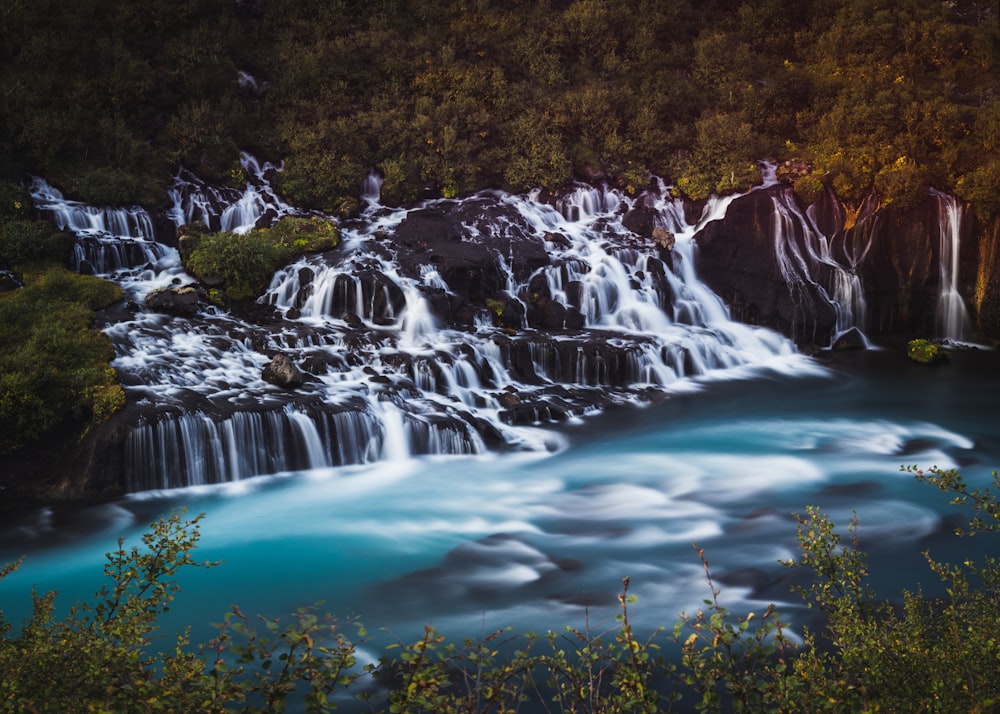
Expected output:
(530, 540)
(226, 208)
(118, 243)
(952, 315)
(812, 273)
(390, 372)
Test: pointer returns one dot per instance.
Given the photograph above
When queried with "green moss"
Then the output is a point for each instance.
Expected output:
(243, 263)
(495, 306)
(107, 399)
(926, 352)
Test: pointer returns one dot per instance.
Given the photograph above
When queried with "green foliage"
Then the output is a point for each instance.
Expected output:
(25, 243)
(244, 262)
(901, 183)
(53, 363)
(15, 202)
(106, 186)
(453, 97)
(808, 188)
(97, 659)
(730, 664)
(929, 654)
(926, 352)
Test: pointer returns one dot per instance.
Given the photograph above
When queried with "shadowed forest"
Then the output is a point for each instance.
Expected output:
(107, 99)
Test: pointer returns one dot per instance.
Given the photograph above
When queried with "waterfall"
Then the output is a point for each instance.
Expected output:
(812, 273)
(114, 242)
(371, 188)
(952, 315)
(226, 208)
(400, 361)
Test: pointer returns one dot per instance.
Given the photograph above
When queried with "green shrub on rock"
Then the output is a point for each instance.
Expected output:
(926, 352)
(242, 263)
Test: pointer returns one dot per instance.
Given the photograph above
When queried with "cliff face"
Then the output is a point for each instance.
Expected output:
(812, 273)
(986, 287)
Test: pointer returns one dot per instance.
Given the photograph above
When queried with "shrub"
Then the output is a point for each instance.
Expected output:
(53, 363)
(106, 186)
(926, 352)
(808, 188)
(901, 183)
(243, 263)
(25, 243)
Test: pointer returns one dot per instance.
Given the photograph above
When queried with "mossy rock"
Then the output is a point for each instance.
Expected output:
(242, 263)
(927, 352)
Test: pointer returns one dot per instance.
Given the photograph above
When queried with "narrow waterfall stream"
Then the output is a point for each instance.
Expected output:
(806, 260)
(952, 315)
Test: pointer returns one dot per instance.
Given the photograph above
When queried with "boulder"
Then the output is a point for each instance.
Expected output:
(9, 280)
(641, 218)
(349, 208)
(189, 236)
(793, 169)
(851, 339)
(663, 238)
(467, 242)
(282, 372)
(173, 301)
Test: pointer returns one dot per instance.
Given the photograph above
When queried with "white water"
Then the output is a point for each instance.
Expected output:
(952, 315)
(408, 384)
(810, 270)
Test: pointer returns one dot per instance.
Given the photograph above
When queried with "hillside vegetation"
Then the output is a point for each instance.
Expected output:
(107, 98)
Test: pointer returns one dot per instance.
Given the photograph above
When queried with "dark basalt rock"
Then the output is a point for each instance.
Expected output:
(663, 238)
(852, 339)
(173, 301)
(641, 218)
(467, 242)
(736, 258)
(255, 312)
(282, 372)
(9, 280)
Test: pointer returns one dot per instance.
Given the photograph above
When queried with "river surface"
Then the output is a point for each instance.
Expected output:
(541, 540)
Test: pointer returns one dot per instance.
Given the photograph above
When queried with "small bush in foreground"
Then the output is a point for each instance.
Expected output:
(929, 654)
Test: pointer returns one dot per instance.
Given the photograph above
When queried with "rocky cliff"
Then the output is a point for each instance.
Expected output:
(811, 272)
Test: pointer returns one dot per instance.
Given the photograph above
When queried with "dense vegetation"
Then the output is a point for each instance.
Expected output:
(927, 654)
(53, 363)
(243, 263)
(105, 99)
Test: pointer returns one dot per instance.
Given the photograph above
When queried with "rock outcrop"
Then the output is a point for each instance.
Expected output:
(777, 265)
(282, 372)
(174, 301)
